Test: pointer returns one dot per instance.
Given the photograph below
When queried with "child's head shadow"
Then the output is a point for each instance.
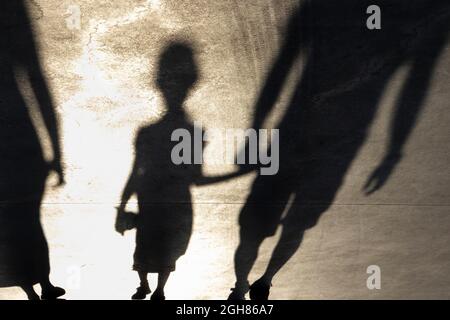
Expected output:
(177, 74)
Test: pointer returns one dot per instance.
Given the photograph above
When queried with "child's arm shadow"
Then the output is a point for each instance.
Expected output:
(203, 180)
(123, 219)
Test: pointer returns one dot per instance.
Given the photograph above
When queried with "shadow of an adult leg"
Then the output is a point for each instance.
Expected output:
(317, 186)
(259, 219)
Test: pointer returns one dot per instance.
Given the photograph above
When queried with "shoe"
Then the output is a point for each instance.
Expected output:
(236, 295)
(52, 293)
(141, 293)
(158, 295)
(259, 291)
(33, 296)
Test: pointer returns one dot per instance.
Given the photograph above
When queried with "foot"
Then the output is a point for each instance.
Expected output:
(236, 295)
(239, 291)
(158, 295)
(52, 293)
(260, 290)
(141, 292)
(33, 296)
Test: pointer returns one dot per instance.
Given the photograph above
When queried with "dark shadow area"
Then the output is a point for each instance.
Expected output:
(347, 68)
(24, 257)
(164, 221)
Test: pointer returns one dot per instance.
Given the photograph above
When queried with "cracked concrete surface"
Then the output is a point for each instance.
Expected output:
(102, 78)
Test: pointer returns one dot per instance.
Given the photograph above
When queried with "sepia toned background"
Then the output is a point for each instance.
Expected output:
(102, 78)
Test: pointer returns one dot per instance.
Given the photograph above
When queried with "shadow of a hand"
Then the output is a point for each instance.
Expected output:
(57, 167)
(119, 225)
(125, 221)
(380, 175)
(243, 160)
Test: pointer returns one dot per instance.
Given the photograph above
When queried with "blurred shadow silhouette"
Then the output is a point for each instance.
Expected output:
(347, 68)
(24, 257)
(164, 221)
